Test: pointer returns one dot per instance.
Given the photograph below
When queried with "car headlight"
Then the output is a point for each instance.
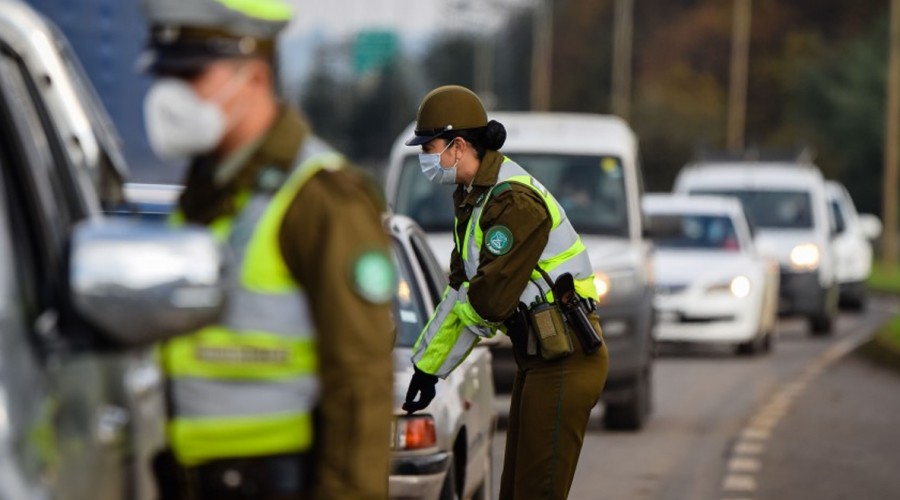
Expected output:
(615, 284)
(601, 281)
(413, 432)
(739, 286)
(805, 257)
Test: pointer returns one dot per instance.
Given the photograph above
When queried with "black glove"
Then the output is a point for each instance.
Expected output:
(423, 384)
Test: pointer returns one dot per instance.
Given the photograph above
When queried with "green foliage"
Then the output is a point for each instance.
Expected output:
(882, 280)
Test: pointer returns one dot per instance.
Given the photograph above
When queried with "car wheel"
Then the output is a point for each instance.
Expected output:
(449, 490)
(632, 414)
(748, 348)
(822, 324)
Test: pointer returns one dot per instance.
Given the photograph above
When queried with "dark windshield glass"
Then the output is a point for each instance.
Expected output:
(713, 232)
(408, 306)
(591, 189)
(772, 209)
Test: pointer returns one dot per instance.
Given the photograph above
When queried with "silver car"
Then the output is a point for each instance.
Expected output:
(445, 451)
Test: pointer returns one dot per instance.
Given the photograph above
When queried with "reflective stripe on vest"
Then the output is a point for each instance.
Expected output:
(564, 251)
(247, 386)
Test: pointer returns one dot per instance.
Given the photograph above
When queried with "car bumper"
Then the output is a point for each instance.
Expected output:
(722, 320)
(418, 476)
(800, 293)
(627, 332)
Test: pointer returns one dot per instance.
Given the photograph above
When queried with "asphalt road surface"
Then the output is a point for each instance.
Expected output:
(755, 428)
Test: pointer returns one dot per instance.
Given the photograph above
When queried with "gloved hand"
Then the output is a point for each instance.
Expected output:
(422, 384)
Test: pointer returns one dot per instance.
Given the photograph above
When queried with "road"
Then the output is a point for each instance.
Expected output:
(714, 415)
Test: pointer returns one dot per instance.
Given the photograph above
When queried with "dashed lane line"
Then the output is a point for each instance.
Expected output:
(745, 462)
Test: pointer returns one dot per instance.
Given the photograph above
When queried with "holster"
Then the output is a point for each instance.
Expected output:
(550, 331)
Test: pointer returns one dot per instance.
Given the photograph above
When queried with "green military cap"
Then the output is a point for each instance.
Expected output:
(186, 35)
(447, 108)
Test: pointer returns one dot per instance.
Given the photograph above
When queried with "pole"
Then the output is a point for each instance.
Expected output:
(737, 94)
(542, 56)
(891, 146)
(623, 24)
(484, 70)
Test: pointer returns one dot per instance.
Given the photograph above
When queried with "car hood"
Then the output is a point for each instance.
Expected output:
(684, 267)
(783, 241)
(608, 252)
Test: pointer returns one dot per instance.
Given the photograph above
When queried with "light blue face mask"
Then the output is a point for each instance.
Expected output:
(431, 167)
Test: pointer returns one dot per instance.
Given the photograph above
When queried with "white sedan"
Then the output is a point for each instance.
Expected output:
(712, 285)
(444, 451)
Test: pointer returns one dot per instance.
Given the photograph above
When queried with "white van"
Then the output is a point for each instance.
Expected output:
(852, 245)
(787, 205)
(590, 164)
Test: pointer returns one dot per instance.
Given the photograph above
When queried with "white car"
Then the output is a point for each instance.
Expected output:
(852, 245)
(444, 451)
(785, 203)
(712, 286)
(590, 164)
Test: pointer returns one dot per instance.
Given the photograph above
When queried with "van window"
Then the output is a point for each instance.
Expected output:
(837, 214)
(591, 189)
(771, 209)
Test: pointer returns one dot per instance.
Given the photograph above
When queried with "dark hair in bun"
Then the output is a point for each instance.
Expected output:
(490, 137)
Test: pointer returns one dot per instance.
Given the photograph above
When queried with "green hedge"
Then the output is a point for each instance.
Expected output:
(883, 281)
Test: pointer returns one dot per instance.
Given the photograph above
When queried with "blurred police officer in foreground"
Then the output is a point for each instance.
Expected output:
(291, 395)
(517, 266)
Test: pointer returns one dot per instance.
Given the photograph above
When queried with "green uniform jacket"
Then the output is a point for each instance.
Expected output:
(494, 292)
(334, 219)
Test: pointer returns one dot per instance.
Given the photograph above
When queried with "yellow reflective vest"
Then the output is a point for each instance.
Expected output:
(455, 327)
(247, 386)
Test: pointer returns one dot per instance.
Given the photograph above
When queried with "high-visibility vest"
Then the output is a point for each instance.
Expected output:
(449, 335)
(247, 386)
(563, 253)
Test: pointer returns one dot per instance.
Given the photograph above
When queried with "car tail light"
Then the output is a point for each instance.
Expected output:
(414, 432)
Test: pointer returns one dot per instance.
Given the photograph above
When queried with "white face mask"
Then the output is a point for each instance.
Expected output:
(431, 167)
(180, 124)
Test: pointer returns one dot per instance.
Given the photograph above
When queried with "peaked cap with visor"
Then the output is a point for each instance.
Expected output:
(186, 35)
(447, 108)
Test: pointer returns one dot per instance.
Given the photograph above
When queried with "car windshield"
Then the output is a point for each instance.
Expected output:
(409, 309)
(591, 189)
(771, 209)
(708, 232)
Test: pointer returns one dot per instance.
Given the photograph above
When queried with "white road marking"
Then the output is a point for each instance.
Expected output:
(741, 467)
(744, 464)
(739, 482)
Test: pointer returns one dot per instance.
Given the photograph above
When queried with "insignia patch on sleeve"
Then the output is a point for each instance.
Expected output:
(373, 277)
(498, 240)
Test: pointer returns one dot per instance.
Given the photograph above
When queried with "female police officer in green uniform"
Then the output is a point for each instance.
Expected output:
(513, 246)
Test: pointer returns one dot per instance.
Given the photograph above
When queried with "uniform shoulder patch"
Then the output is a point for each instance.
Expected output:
(373, 277)
(501, 188)
(498, 240)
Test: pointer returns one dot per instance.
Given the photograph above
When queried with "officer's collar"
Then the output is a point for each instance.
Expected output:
(489, 169)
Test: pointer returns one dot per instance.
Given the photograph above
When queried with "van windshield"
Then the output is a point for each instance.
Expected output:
(591, 189)
(771, 209)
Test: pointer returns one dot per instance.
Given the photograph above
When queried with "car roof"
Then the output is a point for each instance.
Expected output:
(162, 194)
(571, 133)
(678, 203)
(746, 175)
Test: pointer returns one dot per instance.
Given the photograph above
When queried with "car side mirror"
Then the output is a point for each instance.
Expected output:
(870, 225)
(139, 283)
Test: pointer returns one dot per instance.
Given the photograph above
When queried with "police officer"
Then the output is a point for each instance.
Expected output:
(510, 232)
(290, 396)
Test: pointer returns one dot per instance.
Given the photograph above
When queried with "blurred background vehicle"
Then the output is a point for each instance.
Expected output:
(590, 164)
(712, 285)
(149, 202)
(80, 398)
(443, 452)
(852, 245)
(786, 204)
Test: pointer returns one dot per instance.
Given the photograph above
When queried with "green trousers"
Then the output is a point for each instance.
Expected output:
(548, 416)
